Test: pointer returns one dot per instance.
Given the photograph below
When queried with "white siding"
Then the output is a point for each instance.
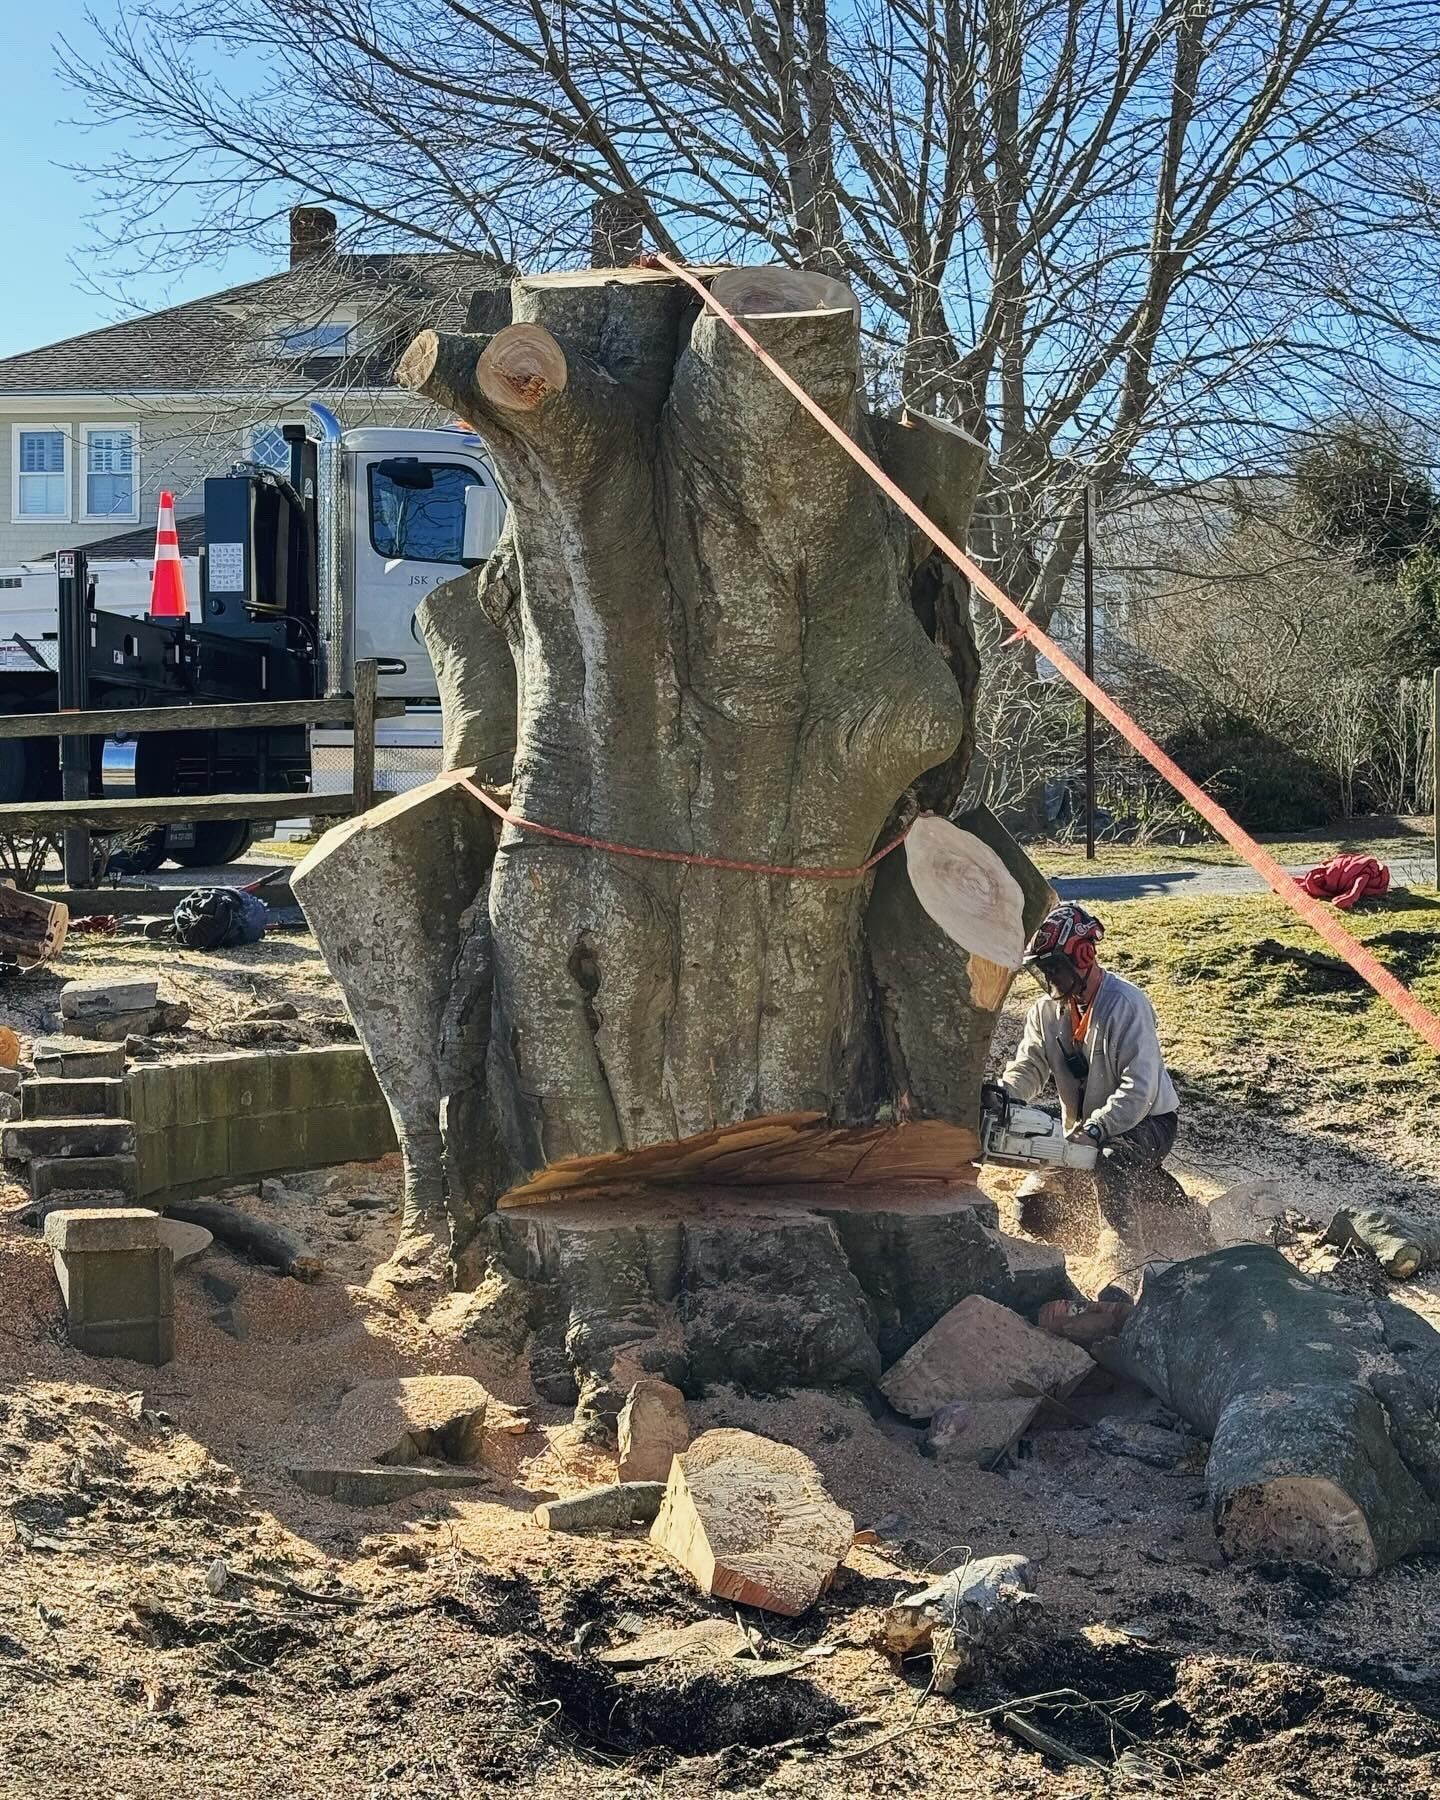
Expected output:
(177, 449)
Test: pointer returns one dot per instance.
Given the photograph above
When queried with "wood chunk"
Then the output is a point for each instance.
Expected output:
(967, 890)
(396, 1422)
(1401, 1244)
(707, 1640)
(750, 1521)
(982, 1351)
(654, 1428)
(979, 1431)
(608, 1508)
(32, 929)
(962, 1618)
(379, 1485)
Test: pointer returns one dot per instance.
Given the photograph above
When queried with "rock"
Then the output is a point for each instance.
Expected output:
(119, 1028)
(9, 1081)
(979, 1431)
(981, 1351)
(75, 1058)
(750, 1521)
(104, 999)
(1141, 1439)
(654, 1428)
(275, 1193)
(280, 1009)
(378, 1486)
(9, 1106)
(9, 1048)
(368, 1202)
(963, 1618)
(396, 1422)
(603, 1508)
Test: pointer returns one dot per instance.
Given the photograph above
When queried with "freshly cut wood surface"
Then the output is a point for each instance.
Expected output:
(967, 890)
(753, 293)
(982, 1351)
(32, 929)
(750, 1520)
(782, 1147)
(521, 367)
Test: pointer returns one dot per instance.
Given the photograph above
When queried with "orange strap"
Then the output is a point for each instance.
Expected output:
(692, 858)
(1321, 920)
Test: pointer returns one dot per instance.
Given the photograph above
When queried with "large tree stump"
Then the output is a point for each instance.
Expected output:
(1321, 1407)
(724, 642)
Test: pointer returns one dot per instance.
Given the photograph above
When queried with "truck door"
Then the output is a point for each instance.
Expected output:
(409, 536)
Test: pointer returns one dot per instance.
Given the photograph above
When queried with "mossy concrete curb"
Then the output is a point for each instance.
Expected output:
(208, 1120)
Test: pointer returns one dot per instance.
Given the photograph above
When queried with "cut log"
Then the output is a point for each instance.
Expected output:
(964, 1618)
(1402, 1244)
(750, 1521)
(608, 1508)
(981, 1351)
(1321, 1407)
(249, 1237)
(653, 1429)
(32, 930)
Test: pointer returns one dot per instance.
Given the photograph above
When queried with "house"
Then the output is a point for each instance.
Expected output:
(94, 427)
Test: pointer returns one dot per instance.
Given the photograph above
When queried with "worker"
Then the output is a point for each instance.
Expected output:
(1093, 1034)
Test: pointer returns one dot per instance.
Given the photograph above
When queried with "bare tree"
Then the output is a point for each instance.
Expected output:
(1119, 237)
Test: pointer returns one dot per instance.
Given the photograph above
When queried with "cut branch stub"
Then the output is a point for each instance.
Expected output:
(521, 368)
(719, 648)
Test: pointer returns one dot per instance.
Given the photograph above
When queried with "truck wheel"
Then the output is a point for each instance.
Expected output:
(217, 841)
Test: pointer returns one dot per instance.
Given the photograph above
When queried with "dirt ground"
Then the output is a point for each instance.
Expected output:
(445, 1646)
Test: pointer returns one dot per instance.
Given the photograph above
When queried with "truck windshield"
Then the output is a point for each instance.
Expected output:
(421, 524)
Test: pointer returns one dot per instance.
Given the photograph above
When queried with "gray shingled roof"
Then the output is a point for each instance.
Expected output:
(218, 342)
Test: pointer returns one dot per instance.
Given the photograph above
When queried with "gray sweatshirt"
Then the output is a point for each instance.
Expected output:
(1128, 1079)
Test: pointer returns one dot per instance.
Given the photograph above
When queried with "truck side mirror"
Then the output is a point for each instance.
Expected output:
(479, 530)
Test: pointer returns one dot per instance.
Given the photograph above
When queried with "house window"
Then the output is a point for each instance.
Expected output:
(316, 341)
(42, 474)
(268, 448)
(110, 488)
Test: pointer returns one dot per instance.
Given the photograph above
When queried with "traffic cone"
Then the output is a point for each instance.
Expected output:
(167, 587)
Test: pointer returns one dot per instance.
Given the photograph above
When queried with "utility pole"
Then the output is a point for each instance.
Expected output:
(1089, 566)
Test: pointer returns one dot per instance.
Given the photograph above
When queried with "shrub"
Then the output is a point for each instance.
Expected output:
(1267, 784)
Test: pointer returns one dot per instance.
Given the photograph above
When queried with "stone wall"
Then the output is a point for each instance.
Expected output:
(203, 1122)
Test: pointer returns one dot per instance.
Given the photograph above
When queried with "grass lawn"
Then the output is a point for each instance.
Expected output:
(1374, 836)
(1313, 1044)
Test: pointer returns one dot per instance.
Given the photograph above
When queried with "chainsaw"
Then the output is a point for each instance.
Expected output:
(1028, 1137)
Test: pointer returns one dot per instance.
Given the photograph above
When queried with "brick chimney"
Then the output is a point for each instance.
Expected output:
(312, 233)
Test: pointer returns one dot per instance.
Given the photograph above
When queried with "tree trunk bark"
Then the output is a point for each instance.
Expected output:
(727, 644)
(1320, 1406)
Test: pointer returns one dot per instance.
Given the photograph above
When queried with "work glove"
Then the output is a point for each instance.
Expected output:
(994, 1099)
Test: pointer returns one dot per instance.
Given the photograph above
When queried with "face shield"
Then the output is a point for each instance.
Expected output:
(1056, 973)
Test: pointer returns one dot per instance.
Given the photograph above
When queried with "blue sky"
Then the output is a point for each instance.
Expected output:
(43, 207)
